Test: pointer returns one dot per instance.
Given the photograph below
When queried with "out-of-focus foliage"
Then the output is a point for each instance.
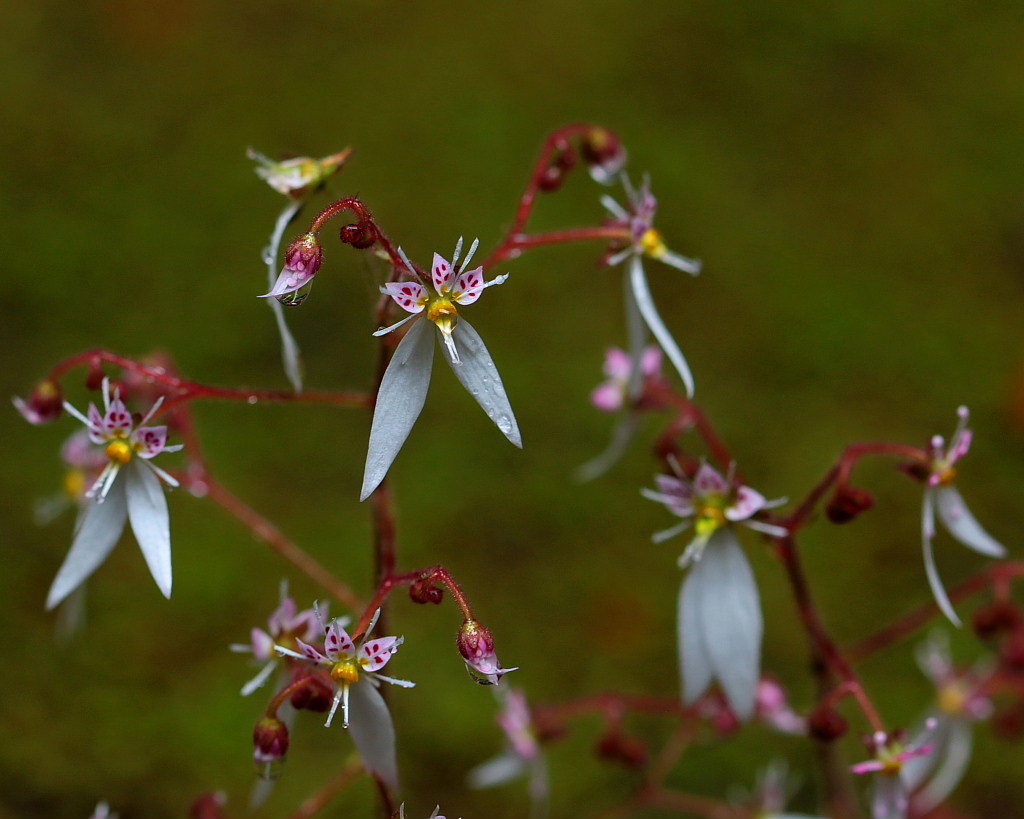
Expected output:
(850, 175)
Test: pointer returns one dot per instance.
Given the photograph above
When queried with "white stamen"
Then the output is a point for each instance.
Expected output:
(106, 394)
(334, 707)
(394, 681)
(288, 652)
(167, 477)
(383, 331)
(344, 705)
(456, 254)
(151, 413)
(72, 411)
(469, 255)
(450, 344)
(372, 623)
(496, 280)
(613, 207)
(408, 264)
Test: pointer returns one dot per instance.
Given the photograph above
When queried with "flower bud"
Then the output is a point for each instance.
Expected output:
(360, 236)
(997, 617)
(270, 740)
(847, 503)
(826, 724)
(565, 156)
(605, 154)
(302, 261)
(45, 404)
(1011, 653)
(551, 179)
(627, 751)
(424, 591)
(476, 645)
(316, 695)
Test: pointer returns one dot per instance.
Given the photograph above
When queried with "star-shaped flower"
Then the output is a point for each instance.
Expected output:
(891, 795)
(285, 626)
(355, 670)
(522, 757)
(404, 386)
(637, 218)
(720, 621)
(127, 490)
(299, 176)
(941, 495)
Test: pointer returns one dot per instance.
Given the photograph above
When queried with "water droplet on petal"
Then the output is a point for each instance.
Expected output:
(252, 399)
(504, 424)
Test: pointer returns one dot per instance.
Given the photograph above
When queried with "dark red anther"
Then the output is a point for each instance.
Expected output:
(551, 179)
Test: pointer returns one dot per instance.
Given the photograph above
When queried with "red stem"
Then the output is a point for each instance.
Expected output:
(427, 576)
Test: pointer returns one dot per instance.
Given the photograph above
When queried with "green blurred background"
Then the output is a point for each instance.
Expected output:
(851, 175)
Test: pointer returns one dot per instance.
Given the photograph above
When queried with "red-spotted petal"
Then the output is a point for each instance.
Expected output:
(337, 642)
(96, 428)
(440, 271)
(153, 440)
(410, 296)
(311, 653)
(117, 419)
(709, 481)
(469, 286)
(376, 652)
(748, 502)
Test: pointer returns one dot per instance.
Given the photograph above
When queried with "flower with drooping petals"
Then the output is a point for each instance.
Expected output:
(128, 489)
(44, 404)
(285, 626)
(605, 155)
(302, 262)
(476, 645)
(637, 220)
(720, 621)
(941, 495)
(523, 755)
(611, 395)
(355, 670)
(299, 176)
(961, 700)
(891, 796)
(403, 389)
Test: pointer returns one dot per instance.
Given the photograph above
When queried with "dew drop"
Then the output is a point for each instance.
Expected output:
(504, 424)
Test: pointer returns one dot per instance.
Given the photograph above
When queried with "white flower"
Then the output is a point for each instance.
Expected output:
(127, 490)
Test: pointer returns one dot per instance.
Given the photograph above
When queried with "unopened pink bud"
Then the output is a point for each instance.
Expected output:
(270, 740)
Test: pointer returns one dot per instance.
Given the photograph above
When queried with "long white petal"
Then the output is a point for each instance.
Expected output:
(147, 513)
(955, 756)
(731, 619)
(933, 729)
(372, 731)
(623, 432)
(478, 374)
(100, 529)
(645, 302)
(956, 517)
(694, 662)
(497, 771)
(636, 333)
(931, 570)
(399, 402)
(290, 354)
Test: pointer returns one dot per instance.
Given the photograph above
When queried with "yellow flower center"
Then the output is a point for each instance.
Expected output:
(119, 451)
(709, 518)
(652, 243)
(443, 313)
(891, 766)
(953, 698)
(946, 473)
(345, 671)
(74, 483)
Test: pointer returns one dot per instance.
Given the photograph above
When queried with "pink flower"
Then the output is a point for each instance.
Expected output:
(523, 755)
(285, 626)
(355, 670)
(942, 496)
(128, 490)
(302, 262)
(891, 794)
(611, 395)
(476, 645)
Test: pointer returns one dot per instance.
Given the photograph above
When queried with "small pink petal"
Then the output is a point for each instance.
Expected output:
(117, 419)
(650, 361)
(607, 396)
(289, 281)
(337, 641)
(410, 296)
(748, 502)
(281, 615)
(617, 364)
(871, 766)
(709, 481)
(153, 440)
(469, 286)
(311, 653)
(960, 446)
(262, 645)
(440, 272)
(376, 652)
(96, 429)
